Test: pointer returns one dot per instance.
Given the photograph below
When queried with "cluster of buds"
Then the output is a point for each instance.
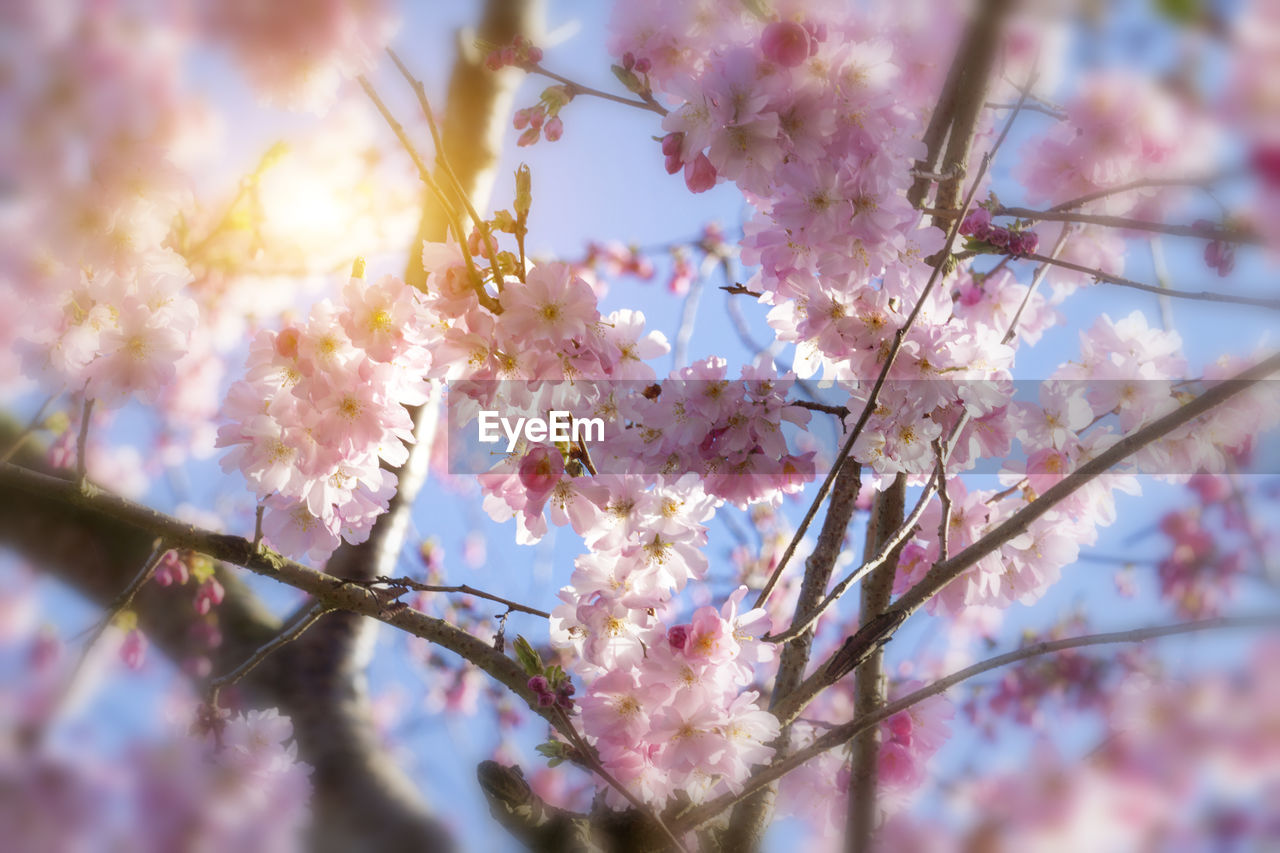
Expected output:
(699, 174)
(617, 260)
(550, 685)
(543, 118)
(520, 52)
(1008, 241)
(178, 567)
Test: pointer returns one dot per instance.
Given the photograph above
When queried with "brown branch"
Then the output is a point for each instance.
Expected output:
(869, 564)
(1272, 304)
(1202, 182)
(875, 633)
(333, 592)
(750, 818)
(869, 687)
(842, 734)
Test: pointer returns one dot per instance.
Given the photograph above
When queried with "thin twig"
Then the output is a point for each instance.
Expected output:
(290, 633)
(1033, 107)
(1012, 331)
(843, 733)
(451, 213)
(257, 526)
(579, 89)
(1199, 296)
(117, 606)
(27, 430)
(1199, 232)
(442, 157)
(1144, 183)
(841, 412)
(461, 589)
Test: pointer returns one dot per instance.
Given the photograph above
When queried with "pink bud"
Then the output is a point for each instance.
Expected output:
(785, 42)
(540, 470)
(672, 143)
(529, 137)
(700, 175)
(172, 570)
(535, 55)
(208, 596)
(134, 649)
(678, 636)
(643, 65)
(977, 223)
(628, 60)
(553, 128)
(521, 119)
(673, 163)
(538, 684)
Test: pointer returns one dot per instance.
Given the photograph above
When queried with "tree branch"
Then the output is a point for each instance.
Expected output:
(841, 734)
(1272, 304)
(875, 633)
(869, 688)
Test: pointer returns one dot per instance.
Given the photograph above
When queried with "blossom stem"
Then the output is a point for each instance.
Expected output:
(442, 158)
(579, 89)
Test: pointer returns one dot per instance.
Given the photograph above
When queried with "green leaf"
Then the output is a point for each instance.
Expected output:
(628, 79)
(759, 8)
(528, 657)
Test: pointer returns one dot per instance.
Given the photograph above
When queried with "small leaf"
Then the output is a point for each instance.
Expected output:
(758, 8)
(524, 191)
(527, 656)
(628, 79)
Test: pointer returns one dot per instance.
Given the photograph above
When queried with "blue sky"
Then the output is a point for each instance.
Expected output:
(604, 180)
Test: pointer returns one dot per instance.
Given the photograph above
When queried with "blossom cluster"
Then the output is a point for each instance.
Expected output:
(322, 404)
(665, 704)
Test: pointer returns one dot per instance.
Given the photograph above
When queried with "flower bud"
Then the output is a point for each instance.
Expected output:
(785, 42)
